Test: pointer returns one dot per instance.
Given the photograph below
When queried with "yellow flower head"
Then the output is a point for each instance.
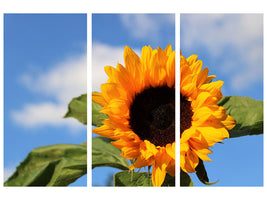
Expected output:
(202, 122)
(140, 102)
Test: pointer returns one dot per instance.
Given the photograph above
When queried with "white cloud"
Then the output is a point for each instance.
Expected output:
(235, 39)
(146, 26)
(8, 172)
(60, 83)
(105, 55)
(42, 114)
(63, 82)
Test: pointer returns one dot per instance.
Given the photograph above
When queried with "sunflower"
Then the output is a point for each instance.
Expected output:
(202, 122)
(139, 100)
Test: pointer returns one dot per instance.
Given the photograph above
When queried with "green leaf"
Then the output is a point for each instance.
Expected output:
(97, 117)
(105, 154)
(202, 173)
(77, 108)
(185, 179)
(169, 180)
(54, 165)
(131, 178)
(247, 112)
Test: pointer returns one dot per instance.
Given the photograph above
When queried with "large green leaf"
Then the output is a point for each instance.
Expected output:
(105, 154)
(54, 165)
(97, 117)
(77, 108)
(185, 179)
(247, 112)
(131, 178)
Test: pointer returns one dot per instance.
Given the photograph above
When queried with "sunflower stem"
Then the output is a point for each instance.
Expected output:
(148, 173)
(148, 169)
(132, 173)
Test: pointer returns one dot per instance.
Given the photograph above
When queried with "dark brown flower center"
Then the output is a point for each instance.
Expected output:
(185, 114)
(152, 115)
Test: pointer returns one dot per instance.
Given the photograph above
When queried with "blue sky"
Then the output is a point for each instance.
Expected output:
(231, 45)
(44, 68)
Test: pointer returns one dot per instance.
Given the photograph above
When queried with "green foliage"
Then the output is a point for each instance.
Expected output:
(131, 178)
(54, 165)
(169, 181)
(202, 173)
(77, 109)
(247, 112)
(185, 179)
(105, 154)
(97, 117)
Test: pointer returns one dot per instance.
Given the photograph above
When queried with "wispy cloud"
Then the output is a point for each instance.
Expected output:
(10, 169)
(8, 172)
(235, 40)
(62, 82)
(105, 55)
(146, 26)
(43, 114)
(59, 85)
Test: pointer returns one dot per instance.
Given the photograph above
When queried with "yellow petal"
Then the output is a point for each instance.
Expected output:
(105, 131)
(229, 122)
(132, 63)
(98, 98)
(191, 59)
(158, 175)
(202, 76)
(159, 169)
(168, 49)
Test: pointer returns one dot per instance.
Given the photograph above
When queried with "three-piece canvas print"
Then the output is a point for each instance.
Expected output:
(124, 102)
